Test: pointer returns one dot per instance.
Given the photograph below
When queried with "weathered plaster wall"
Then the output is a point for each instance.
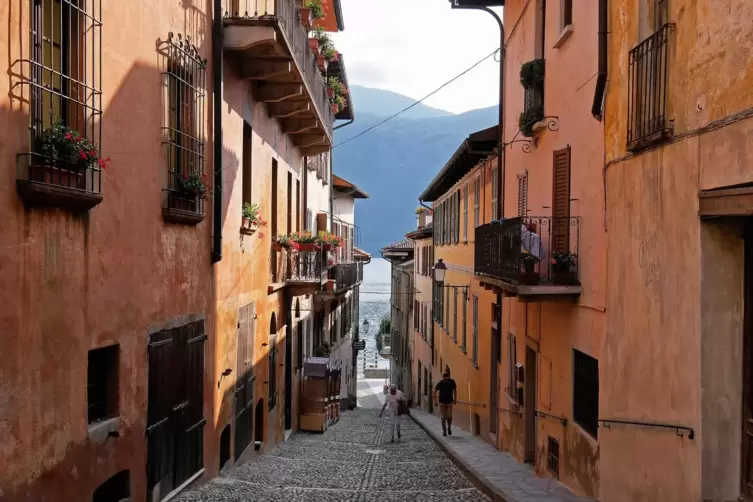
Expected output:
(74, 283)
(709, 77)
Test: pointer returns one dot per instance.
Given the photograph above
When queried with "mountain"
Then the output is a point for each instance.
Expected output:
(380, 102)
(395, 162)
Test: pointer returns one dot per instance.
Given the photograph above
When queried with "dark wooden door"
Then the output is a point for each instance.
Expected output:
(244, 385)
(175, 415)
(530, 406)
(561, 201)
(747, 456)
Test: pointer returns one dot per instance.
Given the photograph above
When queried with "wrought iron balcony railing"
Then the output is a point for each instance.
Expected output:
(647, 90)
(284, 13)
(346, 275)
(306, 266)
(535, 250)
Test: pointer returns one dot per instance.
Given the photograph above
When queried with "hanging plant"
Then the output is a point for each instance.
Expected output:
(532, 73)
(527, 119)
(317, 11)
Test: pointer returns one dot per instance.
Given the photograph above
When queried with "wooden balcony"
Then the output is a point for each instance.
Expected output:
(266, 43)
(535, 258)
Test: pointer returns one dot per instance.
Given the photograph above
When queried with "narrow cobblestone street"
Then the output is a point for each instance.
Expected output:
(352, 461)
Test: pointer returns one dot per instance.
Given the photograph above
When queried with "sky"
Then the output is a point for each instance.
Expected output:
(413, 46)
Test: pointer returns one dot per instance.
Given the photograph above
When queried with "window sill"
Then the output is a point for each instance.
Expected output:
(101, 430)
(463, 348)
(248, 231)
(35, 193)
(564, 36)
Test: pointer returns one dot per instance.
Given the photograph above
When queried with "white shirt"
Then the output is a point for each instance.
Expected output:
(392, 399)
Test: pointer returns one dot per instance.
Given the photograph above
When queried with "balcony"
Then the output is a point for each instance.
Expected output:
(532, 79)
(304, 271)
(267, 44)
(647, 91)
(535, 258)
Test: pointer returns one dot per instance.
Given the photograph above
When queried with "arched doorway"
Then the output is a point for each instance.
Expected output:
(259, 424)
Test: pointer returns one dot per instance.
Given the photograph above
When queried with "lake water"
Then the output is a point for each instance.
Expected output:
(374, 304)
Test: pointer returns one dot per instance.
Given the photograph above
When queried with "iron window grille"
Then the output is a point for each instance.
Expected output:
(184, 122)
(65, 83)
(586, 391)
(553, 456)
(648, 79)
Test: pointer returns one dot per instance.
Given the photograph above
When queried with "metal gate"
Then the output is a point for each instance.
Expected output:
(175, 421)
(244, 385)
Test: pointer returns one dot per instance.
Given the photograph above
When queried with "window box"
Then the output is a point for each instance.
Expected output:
(183, 209)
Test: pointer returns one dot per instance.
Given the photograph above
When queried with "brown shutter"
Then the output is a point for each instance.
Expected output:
(561, 201)
(523, 194)
(321, 222)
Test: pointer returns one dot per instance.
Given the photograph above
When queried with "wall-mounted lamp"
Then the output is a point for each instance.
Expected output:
(440, 269)
(223, 375)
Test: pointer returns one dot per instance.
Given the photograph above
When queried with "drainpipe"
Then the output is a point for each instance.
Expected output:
(331, 170)
(601, 79)
(217, 63)
(500, 147)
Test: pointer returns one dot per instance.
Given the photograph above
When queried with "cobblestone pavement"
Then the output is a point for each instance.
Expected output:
(352, 461)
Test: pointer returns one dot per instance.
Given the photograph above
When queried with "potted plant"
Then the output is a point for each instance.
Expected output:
(527, 119)
(284, 242)
(563, 267)
(252, 220)
(306, 240)
(532, 73)
(63, 156)
(528, 274)
(191, 187)
(312, 9)
(420, 210)
(328, 241)
(340, 102)
(326, 48)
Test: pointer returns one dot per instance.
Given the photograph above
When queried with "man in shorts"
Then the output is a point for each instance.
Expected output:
(445, 395)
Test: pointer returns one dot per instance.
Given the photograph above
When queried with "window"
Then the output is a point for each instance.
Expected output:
(65, 79)
(416, 316)
(474, 330)
(457, 216)
(184, 130)
(586, 392)
(553, 456)
(540, 28)
(523, 194)
(512, 360)
(465, 320)
(447, 312)
(102, 383)
(289, 219)
(272, 359)
(567, 13)
(661, 13)
(561, 201)
(273, 212)
(476, 201)
(297, 205)
(247, 154)
(495, 193)
(465, 213)
(455, 314)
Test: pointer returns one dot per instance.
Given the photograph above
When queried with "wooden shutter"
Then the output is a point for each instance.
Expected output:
(561, 201)
(476, 201)
(457, 216)
(321, 222)
(495, 193)
(465, 213)
(523, 194)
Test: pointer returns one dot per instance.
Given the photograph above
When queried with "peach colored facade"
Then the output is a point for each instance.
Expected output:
(109, 276)
(678, 341)
(122, 266)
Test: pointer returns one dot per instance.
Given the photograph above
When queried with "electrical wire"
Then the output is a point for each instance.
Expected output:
(420, 100)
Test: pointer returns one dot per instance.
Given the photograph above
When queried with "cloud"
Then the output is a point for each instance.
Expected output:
(414, 46)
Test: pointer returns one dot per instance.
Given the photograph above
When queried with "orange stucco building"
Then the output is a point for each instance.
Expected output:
(152, 335)
(526, 243)
(678, 207)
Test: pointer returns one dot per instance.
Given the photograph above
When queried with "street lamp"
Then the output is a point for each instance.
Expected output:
(440, 269)
(366, 326)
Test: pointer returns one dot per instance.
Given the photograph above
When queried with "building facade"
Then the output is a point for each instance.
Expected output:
(678, 128)
(422, 346)
(184, 344)
(396, 344)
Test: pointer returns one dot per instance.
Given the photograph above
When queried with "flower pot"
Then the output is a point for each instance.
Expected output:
(563, 277)
(335, 108)
(183, 201)
(322, 63)
(307, 247)
(331, 92)
(63, 176)
(327, 247)
(314, 46)
(330, 285)
(307, 19)
(246, 222)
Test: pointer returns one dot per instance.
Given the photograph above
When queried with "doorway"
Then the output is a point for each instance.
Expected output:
(259, 425)
(175, 421)
(495, 359)
(530, 406)
(289, 378)
(244, 384)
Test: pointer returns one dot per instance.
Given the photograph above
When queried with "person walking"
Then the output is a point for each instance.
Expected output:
(446, 393)
(392, 404)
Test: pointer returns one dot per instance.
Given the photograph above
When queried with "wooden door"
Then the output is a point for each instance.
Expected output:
(561, 202)
(244, 384)
(175, 421)
(747, 450)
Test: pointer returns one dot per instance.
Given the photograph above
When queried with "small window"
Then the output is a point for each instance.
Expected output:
(553, 456)
(586, 391)
(102, 383)
(567, 13)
